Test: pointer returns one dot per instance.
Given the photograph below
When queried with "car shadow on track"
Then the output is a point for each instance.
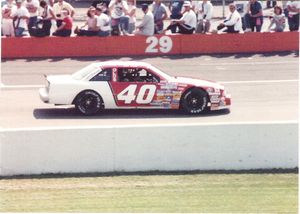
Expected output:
(71, 113)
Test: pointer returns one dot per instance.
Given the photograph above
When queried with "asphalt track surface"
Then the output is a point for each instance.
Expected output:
(264, 88)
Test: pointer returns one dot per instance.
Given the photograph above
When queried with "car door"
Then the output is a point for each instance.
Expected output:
(134, 87)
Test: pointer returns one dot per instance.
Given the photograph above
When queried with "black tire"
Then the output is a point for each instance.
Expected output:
(88, 102)
(194, 101)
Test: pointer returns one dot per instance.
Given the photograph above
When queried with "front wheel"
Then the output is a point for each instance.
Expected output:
(194, 101)
(88, 102)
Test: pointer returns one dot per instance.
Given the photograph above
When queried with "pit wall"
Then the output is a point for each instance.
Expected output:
(147, 148)
(149, 46)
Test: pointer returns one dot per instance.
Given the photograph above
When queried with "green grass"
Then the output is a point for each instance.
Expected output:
(272, 193)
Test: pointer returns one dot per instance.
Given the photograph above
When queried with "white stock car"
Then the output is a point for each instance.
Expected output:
(130, 84)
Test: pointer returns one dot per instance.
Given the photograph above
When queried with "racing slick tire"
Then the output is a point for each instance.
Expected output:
(88, 102)
(194, 101)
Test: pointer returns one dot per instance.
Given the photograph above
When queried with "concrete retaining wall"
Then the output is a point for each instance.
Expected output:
(149, 46)
(172, 147)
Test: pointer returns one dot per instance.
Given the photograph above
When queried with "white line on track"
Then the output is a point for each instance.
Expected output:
(20, 86)
(2, 86)
(149, 125)
(257, 81)
(248, 63)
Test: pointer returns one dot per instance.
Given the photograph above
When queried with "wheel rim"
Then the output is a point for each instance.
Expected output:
(195, 102)
(88, 104)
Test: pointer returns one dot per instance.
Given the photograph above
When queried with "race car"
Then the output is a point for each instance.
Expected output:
(131, 84)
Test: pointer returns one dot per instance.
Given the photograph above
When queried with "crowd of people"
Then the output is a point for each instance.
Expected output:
(41, 18)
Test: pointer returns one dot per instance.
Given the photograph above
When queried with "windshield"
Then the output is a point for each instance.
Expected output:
(84, 72)
(159, 72)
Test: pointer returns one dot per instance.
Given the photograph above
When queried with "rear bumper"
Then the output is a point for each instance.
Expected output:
(44, 95)
(224, 103)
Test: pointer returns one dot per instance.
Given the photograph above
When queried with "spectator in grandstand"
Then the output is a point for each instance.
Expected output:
(293, 14)
(101, 3)
(271, 4)
(204, 10)
(50, 2)
(187, 23)
(103, 23)
(58, 7)
(90, 23)
(119, 20)
(278, 19)
(233, 21)
(20, 17)
(131, 13)
(284, 7)
(242, 7)
(254, 16)
(175, 7)
(65, 29)
(7, 21)
(47, 16)
(44, 24)
(160, 14)
(146, 27)
(32, 6)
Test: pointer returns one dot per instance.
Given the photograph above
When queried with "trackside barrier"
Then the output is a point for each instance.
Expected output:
(147, 46)
(156, 147)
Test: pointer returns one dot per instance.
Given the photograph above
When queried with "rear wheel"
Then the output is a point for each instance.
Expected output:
(88, 102)
(194, 101)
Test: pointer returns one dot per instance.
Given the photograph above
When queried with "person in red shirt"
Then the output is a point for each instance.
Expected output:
(65, 29)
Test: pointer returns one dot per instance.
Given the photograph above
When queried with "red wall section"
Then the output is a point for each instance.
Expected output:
(143, 46)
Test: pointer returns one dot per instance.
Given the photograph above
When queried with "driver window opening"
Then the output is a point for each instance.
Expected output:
(136, 75)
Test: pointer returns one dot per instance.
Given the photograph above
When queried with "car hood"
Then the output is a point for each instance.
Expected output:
(60, 78)
(198, 82)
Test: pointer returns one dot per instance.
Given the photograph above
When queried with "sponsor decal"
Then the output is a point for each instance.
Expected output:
(174, 106)
(176, 95)
(169, 86)
(166, 105)
(214, 99)
(182, 85)
(214, 106)
(213, 91)
(114, 74)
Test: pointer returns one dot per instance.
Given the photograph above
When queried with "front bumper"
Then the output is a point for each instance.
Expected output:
(44, 95)
(224, 103)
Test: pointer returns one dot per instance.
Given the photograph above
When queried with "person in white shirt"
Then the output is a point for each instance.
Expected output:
(204, 10)
(118, 10)
(47, 15)
(146, 27)
(32, 6)
(58, 7)
(21, 17)
(278, 19)
(131, 14)
(7, 21)
(187, 23)
(233, 22)
(293, 8)
(102, 23)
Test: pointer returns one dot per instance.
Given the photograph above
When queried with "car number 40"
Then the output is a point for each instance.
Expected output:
(144, 95)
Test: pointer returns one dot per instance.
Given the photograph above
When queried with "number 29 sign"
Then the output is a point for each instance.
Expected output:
(163, 44)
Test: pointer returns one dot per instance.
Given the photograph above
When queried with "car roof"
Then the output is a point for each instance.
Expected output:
(119, 63)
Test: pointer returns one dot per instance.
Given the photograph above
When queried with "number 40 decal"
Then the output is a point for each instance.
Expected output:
(144, 96)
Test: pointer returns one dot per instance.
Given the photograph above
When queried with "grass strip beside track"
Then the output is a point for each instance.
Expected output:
(271, 193)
